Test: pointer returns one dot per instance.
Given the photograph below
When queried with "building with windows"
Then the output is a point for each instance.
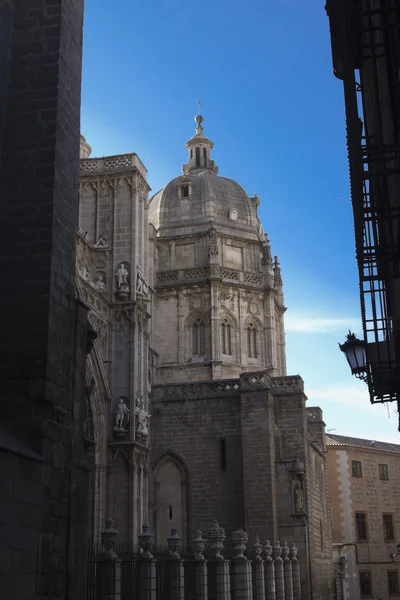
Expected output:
(364, 489)
(191, 415)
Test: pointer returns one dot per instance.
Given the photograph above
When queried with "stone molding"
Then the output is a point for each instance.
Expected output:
(112, 164)
(203, 273)
(288, 384)
(228, 387)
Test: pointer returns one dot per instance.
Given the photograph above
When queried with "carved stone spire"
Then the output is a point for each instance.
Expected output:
(277, 273)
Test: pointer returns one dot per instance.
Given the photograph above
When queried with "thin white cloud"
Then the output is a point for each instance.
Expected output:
(319, 324)
(351, 396)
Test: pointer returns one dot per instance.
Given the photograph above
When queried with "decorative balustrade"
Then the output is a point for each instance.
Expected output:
(270, 573)
(232, 387)
(122, 162)
(288, 384)
(195, 274)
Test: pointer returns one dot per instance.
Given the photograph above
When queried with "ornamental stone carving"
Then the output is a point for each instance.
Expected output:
(213, 249)
(146, 542)
(298, 496)
(239, 541)
(174, 543)
(233, 214)
(100, 284)
(101, 242)
(121, 415)
(142, 418)
(198, 545)
(122, 278)
(142, 287)
(215, 537)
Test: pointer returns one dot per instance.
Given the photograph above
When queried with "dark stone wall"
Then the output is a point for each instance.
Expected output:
(43, 341)
(6, 18)
(193, 429)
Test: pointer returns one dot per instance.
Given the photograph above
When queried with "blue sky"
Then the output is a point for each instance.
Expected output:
(262, 71)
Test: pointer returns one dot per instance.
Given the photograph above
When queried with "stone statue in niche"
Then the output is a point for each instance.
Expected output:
(298, 498)
(142, 417)
(121, 414)
(122, 277)
(233, 214)
(99, 284)
(142, 287)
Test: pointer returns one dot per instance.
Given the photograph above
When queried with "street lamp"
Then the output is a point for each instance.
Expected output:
(354, 350)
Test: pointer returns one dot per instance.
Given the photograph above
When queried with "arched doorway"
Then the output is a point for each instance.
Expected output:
(171, 499)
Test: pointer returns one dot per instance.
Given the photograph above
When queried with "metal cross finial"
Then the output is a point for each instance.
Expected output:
(199, 105)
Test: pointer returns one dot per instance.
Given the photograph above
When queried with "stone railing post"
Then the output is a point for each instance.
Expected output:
(176, 566)
(198, 546)
(242, 567)
(279, 576)
(111, 564)
(296, 572)
(215, 537)
(269, 572)
(147, 566)
(287, 570)
(259, 577)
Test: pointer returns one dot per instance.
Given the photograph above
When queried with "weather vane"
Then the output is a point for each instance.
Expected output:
(199, 105)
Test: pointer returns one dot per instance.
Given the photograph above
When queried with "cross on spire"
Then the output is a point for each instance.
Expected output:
(199, 106)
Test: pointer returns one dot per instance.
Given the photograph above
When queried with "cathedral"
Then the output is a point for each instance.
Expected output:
(190, 414)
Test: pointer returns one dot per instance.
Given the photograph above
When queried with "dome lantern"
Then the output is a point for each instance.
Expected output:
(199, 148)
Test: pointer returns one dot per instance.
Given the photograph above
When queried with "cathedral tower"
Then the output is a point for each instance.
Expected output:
(219, 303)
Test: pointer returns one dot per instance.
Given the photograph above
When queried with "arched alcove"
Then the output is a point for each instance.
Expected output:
(171, 498)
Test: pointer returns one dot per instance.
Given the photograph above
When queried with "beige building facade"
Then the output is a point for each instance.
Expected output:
(364, 489)
(191, 415)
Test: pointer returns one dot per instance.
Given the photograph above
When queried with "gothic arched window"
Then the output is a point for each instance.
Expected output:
(226, 337)
(251, 340)
(198, 338)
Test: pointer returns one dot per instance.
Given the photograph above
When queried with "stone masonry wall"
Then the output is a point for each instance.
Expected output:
(192, 429)
(43, 342)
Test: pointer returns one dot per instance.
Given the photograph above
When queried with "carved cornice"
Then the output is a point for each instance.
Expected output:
(228, 387)
(288, 384)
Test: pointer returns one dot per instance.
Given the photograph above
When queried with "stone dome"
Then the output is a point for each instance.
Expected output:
(199, 197)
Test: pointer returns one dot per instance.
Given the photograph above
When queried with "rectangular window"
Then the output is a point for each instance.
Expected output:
(383, 472)
(222, 446)
(388, 529)
(361, 526)
(393, 582)
(185, 191)
(356, 468)
(365, 584)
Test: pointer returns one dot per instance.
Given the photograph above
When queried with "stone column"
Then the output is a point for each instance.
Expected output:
(198, 546)
(296, 573)
(279, 575)
(287, 569)
(177, 579)
(147, 567)
(259, 576)
(111, 565)
(215, 537)
(269, 572)
(242, 567)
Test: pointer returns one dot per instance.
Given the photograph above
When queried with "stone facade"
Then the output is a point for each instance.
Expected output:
(44, 333)
(112, 279)
(230, 436)
(364, 480)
